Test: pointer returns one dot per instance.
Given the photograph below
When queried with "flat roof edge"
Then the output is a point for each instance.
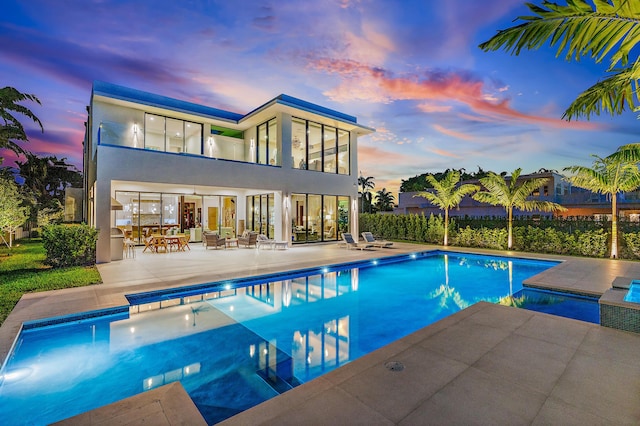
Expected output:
(122, 93)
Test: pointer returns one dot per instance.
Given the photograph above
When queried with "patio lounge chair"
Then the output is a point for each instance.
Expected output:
(263, 240)
(368, 237)
(213, 240)
(249, 239)
(348, 239)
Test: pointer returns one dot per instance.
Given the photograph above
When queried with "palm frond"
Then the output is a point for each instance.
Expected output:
(525, 189)
(538, 205)
(609, 28)
(447, 194)
(9, 98)
(612, 94)
(627, 153)
(578, 28)
(486, 197)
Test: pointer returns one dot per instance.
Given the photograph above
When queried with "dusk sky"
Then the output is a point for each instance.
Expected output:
(410, 69)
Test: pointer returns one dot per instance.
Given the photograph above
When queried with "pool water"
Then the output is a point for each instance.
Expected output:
(583, 308)
(633, 295)
(235, 344)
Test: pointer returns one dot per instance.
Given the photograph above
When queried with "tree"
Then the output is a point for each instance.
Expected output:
(419, 182)
(45, 180)
(610, 175)
(366, 183)
(11, 130)
(384, 200)
(609, 28)
(12, 213)
(509, 193)
(448, 194)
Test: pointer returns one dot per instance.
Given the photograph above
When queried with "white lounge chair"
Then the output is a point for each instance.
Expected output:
(263, 240)
(350, 242)
(368, 237)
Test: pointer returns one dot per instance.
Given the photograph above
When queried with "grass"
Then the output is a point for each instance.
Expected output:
(22, 270)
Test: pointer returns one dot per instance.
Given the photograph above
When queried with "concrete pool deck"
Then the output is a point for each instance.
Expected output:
(488, 360)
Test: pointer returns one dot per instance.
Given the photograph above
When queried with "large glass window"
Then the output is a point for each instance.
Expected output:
(172, 135)
(120, 126)
(175, 136)
(193, 138)
(318, 147)
(149, 213)
(330, 149)
(299, 143)
(268, 149)
(343, 152)
(260, 214)
(170, 211)
(154, 132)
(315, 217)
(330, 216)
(146, 213)
(125, 217)
(299, 217)
(262, 144)
(315, 147)
(228, 144)
(272, 143)
(343, 215)
(318, 217)
(228, 228)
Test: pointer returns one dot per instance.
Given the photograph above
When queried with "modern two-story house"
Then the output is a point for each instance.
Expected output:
(287, 169)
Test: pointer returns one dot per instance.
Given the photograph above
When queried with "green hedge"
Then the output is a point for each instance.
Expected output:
(582, 240)
(69, 245)
(410, 227)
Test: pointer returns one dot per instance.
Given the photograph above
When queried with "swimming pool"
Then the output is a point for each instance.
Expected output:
(235, 344)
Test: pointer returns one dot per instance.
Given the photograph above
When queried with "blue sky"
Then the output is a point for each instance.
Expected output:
(410, 69)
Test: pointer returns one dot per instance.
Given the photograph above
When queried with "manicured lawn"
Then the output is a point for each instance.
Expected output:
(22, 270)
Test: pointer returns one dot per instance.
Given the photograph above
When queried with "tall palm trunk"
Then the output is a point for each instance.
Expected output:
(614, 226)
(510, 227)
(446, 226)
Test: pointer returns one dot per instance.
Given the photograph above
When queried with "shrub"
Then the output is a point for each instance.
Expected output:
(630, 245)
(69, 245)
(593, 243)
(482, 238)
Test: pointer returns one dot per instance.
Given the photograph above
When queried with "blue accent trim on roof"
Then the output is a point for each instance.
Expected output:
(150, 99)
(138, 96)
(290, 100)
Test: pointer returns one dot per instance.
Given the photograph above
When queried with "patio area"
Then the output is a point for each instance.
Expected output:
(487, 364)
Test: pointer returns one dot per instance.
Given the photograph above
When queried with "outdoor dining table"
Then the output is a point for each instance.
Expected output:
(176, 242)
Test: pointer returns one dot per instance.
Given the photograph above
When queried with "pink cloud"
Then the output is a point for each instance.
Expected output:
(378, 85)
(431, 108)
(444, 153)
(374, 155)
(454, 133)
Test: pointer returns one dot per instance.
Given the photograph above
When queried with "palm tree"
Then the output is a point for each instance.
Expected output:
(513, 194)
(448, 194)
(11, 129)
(384, 201)
(610, 176)
(608, 28)
(366, 183)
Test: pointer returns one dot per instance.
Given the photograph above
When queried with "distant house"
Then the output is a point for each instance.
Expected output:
(287, 169)
(577, 201)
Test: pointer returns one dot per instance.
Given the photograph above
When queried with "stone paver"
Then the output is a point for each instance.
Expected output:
(487, 364)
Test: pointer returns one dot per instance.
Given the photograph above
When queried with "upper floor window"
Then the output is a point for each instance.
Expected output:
(172, 135)
(267, 151)
(318, 147)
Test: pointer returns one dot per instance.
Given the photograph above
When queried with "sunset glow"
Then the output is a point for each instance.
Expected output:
(411, 70)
